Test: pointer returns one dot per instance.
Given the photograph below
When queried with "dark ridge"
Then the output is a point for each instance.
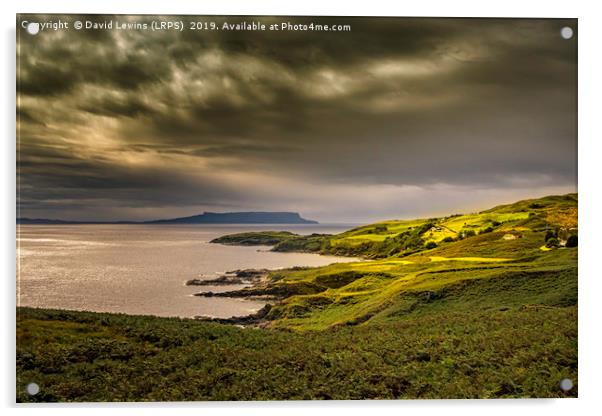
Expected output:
(205, 218)
(239, 218)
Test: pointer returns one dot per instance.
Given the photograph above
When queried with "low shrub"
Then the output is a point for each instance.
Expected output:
(571, 241)
(549, 234)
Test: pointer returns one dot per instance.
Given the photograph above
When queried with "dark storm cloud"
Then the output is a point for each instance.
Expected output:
(62, 61)
(129, 106)
(393, 109)
(26, 117)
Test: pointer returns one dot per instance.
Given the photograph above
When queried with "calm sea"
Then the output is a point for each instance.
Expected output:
(141, 269)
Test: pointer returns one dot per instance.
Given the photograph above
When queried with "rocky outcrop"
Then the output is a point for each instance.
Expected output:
(269, 291)
(235, 277)
(257, 318)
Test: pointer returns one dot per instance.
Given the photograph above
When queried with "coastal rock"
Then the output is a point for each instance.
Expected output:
(269, 291)
(235, 277)
(248, 273)
(253, 319)
(222, 280)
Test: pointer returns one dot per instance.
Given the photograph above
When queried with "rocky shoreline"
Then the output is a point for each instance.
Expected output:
(256, 281)
(234, 277)
(256, 319)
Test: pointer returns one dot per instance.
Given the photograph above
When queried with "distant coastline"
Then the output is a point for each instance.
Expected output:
(204, 218)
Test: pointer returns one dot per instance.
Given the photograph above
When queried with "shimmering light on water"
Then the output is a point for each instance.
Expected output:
(141, 269)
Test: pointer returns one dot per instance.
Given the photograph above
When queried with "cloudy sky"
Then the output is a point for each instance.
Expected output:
(398, 118)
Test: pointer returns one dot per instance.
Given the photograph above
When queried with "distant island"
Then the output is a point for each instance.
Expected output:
(205, 218)
(239, 218)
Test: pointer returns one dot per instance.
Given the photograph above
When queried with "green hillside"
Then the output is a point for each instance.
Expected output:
(405, 237)
(465, 306)
(427, 259)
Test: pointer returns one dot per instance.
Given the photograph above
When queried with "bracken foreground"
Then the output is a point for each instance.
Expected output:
(467, 306)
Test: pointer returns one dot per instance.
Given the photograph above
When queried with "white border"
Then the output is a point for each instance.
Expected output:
(508, 8)
(590, 134)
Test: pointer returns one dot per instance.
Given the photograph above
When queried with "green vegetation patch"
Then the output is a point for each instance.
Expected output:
(265, 238)
(520, 352)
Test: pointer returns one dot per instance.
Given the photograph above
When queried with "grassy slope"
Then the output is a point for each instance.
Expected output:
(479, 317)
(403, 237)
(76, 356)
(351, 293)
